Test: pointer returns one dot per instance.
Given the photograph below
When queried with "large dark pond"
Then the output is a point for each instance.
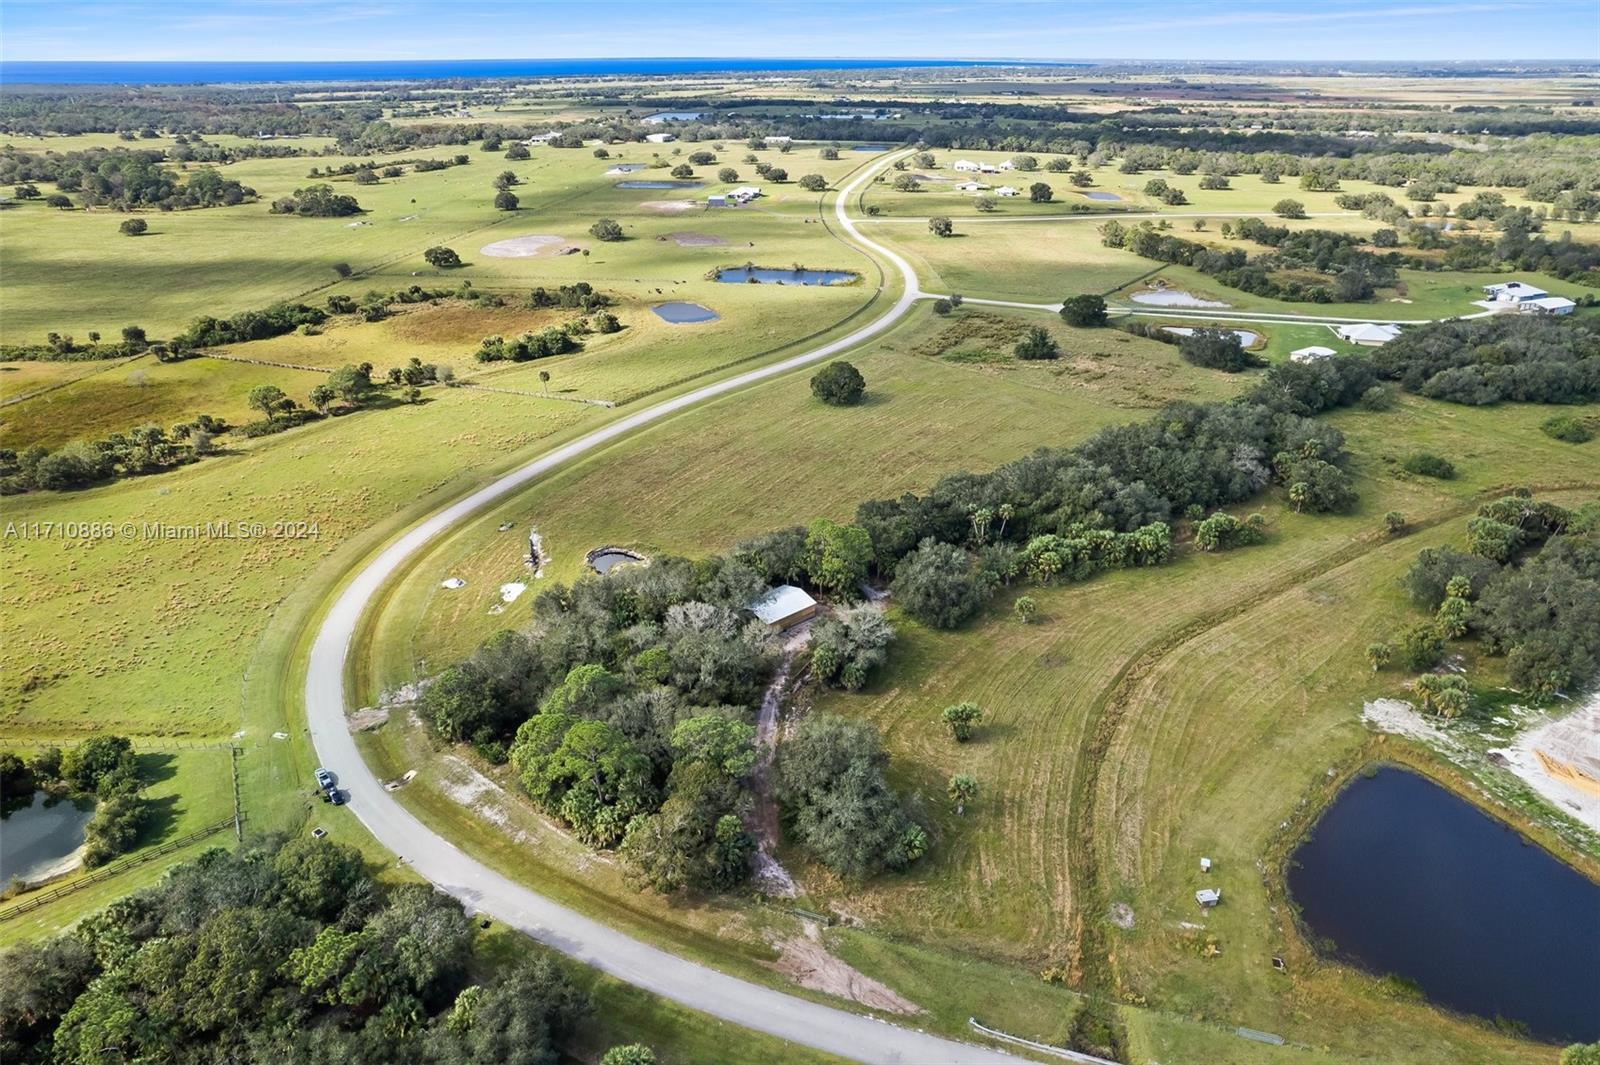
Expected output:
(35, 840)
(1406, 878)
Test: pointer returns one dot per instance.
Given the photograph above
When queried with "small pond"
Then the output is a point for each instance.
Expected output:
(36, 838)
(1173, 297)
(679, 313)
(1102, 196)
(605, 559)
(1246, 337)
(674, 116)
(1405, 878)
(869, 147)
(761, 275)
(659, 184)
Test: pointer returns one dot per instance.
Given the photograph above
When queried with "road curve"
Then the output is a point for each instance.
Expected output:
(836, 1031)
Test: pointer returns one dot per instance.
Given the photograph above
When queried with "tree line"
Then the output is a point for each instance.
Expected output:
(284, 951)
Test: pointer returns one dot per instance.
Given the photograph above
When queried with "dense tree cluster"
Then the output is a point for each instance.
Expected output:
(291, 952)
(555, 340)
(837, 801)
(1353, 274)
(317, 201)
(124, 179)
(1528, 585)
(147, 449)
(1521, 358)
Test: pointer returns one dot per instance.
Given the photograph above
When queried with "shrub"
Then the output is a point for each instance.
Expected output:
(1289, 209)
(1427, 464)
(1421, 646)
(1568, 428)
(1037, 344)
(134, 227)
(442, 258)
(838, 384)
(961, 719)
(606, 229)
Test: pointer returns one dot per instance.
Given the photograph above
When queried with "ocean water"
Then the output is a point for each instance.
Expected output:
(16, 72)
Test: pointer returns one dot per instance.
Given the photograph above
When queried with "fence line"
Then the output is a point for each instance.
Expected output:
(139, 745)
(1043, 1048)
(33, 902)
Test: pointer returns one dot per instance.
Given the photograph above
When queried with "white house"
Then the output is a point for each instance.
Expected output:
(1367, 334)
(1311, 354)
(783, 607)
(988, 168)
(1005, 190)
(744, 193)
(967, 165)
(543, 138)
(1008, 165)
(778, 140)
(1547, 305)
(660, 138)
(971, 186)
(1514, 292)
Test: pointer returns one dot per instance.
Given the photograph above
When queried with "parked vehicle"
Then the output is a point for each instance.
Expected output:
(324, 779)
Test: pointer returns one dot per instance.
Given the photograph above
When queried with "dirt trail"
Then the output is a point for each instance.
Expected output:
(762, 819)
(806, 960)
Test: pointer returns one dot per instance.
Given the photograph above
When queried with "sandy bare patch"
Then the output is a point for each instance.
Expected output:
(1561, 761)
(368, 717)
(528, 247)
(696, 240)
(808, 963)
(670, 206)
(1400, 718)
(464, 784)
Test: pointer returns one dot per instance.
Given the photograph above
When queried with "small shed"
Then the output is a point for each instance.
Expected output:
(784, 607)
(716, 200)
(1205, 865)
(1208, 897)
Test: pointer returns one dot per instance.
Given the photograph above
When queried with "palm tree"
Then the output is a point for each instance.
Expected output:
(544, 380)
(963, 789)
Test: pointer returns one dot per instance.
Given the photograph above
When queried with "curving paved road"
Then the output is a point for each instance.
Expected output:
(849, 1035)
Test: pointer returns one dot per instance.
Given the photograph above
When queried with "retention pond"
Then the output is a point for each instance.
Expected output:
(38, 840)
(679, 313)
(1404, 878)
(762, 275)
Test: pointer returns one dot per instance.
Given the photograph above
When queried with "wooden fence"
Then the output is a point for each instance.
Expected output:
(42, 898)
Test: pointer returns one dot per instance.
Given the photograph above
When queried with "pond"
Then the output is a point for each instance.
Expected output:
(1406, 878)
(1246, 337)
(674, 116)
(1102, 196)
(761, 275)
(659, 184)
(605, 559)
(1173, 297)
(869, 147)
(37, 840)
(679, 313)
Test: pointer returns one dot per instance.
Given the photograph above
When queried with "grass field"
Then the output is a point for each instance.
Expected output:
(1001, 883)
(1149, 717)
(248, 257)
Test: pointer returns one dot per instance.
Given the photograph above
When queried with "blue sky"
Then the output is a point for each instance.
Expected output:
(970, 29)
